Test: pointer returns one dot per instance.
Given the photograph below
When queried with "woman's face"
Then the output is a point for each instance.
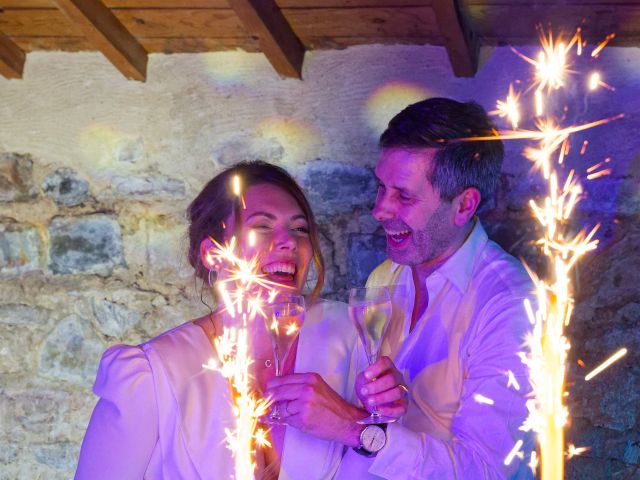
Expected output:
(281, 233)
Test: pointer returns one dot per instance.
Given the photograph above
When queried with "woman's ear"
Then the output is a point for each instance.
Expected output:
(206, 246)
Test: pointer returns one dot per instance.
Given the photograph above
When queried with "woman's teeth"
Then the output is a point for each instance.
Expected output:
(280, 268)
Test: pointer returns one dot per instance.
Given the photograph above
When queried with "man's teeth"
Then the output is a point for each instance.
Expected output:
(287, 268)
(398, 233)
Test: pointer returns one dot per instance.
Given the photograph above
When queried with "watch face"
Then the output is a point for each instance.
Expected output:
(373, 438)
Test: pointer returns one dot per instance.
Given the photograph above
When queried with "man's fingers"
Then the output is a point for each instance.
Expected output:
(380, 366)
(388, 396)
(393, 410)
(380, 384)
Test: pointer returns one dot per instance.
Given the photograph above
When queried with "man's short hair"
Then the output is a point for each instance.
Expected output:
(441, 123)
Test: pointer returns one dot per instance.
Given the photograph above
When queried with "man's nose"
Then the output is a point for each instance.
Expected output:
(382, 209)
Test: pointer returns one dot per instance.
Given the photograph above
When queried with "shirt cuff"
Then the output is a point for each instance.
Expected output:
(397, 460)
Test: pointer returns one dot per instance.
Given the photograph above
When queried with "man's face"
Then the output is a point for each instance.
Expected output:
(418, 223)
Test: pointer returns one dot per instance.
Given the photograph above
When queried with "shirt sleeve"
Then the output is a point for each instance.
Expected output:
(123, 429)
(486, 425)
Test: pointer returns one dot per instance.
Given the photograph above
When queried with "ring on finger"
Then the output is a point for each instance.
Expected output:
(405, 390)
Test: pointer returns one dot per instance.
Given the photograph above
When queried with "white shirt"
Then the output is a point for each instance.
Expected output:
(456, 361)
(162, 416)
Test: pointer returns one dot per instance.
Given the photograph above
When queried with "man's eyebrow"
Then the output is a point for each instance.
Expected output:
(395, 187)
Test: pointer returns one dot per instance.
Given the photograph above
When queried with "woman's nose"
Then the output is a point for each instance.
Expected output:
(284, 240)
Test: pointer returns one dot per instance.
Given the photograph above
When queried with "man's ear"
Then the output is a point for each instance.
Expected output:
(466, 205)
(207, 260)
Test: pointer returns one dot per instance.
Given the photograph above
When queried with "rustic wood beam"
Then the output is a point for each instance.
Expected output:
(459, 39)
(11, 58)
(264, 20)
(105, 31)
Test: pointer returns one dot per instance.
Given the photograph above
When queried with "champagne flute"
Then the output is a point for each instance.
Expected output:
(283, 319)
(370, 310)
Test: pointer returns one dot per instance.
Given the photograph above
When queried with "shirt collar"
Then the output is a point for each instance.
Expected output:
(459, 266)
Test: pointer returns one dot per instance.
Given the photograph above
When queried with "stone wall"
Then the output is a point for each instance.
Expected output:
(96, 172)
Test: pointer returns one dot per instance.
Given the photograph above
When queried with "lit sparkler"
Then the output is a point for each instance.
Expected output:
(241, 291)
(547, 344)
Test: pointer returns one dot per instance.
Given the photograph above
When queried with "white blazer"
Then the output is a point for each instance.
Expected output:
(162, 416)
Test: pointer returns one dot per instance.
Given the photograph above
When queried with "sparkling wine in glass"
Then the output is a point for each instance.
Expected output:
(370, 310)
(283, 319)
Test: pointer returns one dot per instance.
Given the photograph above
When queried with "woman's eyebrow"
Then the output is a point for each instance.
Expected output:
(260, 213)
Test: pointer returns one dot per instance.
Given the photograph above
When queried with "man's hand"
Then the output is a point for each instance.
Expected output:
(381, 385)
(309, 404)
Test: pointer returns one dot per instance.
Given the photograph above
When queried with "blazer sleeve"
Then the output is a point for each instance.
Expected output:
(123, 429)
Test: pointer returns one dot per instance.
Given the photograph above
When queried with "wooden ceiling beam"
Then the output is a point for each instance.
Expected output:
(459, 39)
(105, 31)
(264, 20)
(12, 58)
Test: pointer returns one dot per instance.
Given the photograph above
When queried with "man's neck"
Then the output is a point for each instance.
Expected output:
(421, 272)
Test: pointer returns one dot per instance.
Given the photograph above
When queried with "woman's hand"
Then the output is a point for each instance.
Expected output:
(309, 404)
(382, 385)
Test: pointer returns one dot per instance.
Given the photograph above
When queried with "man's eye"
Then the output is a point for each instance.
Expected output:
(260, 227)
(405, 198)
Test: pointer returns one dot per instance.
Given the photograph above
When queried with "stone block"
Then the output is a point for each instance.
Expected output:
(71, 352)
(59, 456)
(86, 244)
(114, 319)
(334, 187)
(21, 327)
(66, 188)
(19, 248)
(130, 150)
(146, 187)
(16, 178)
(366, 252)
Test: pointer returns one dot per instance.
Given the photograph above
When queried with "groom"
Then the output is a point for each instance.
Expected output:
(452, 346)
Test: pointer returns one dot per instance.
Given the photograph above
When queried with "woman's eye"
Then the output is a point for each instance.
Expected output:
(301, 229)
(260, 227)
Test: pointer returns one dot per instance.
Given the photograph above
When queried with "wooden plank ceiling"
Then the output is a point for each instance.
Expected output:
(126, 31)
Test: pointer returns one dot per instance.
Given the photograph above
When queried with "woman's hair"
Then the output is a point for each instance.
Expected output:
(215, 203)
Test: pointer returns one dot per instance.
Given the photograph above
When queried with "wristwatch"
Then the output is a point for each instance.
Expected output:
(372, 439)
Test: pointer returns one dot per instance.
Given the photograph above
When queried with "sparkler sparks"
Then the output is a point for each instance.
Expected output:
(512, 382)
(508, 108)
(547, 345)
(478, 397)
(241, 291)
(574, 451)
(606, 364)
